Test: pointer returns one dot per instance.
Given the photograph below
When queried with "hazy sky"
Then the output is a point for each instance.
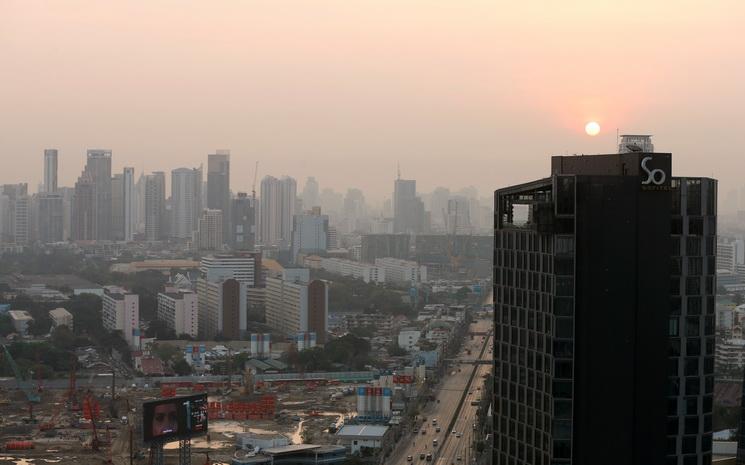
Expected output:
(459, 92)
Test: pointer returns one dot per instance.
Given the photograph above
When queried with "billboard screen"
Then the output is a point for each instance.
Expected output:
(174, 418)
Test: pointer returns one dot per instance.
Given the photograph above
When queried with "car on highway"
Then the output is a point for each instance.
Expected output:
(416, 430)
(459, 458)
(437, 429)
(409, 458)
(458, 435)
(455, 432)
(421, 456)
(429, 457)
(424, 431)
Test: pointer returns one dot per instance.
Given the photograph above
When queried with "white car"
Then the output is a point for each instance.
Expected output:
(455, 432)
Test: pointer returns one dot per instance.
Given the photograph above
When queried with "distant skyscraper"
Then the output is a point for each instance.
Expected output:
(50, 217)
(15, 223)
(310, 194)
(130, 204)
(278, 198)
(209, 234)
(155, 205)
(99, 166)
(408, 209)
(310, 233)
(604, 295)
(218, 187)
(83, 227)
(242, 236)
(50, 170)
(117, 207)
(186, 199)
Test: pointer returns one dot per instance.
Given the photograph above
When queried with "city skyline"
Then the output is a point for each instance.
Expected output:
(336, 89)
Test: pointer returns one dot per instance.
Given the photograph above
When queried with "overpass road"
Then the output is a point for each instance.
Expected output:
(449, 392)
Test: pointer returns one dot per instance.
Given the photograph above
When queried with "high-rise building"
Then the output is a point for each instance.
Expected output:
(130, 204)
(121, 312)
(50, 171)
(604, 314)
(99, 166)
(310, 233)
(155, 205)
(218, 187)
(209, 233)
(223, 289)
(277, 209)
(294, 303)
(243, 229)
(15, 212)
(51, 217)
(458, 219)
(83, 227)
(117, 207)
(408, 209)
(186, 199)
(310, 194)
(179, 309)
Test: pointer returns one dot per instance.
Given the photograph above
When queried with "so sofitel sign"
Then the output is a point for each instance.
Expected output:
(653, 178)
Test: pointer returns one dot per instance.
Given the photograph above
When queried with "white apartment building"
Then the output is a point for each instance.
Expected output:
(408, 339)
(402, 271)
(730, 354)
(121, 311)
(179, 308)
(20, 319)
(60, 317)
(729, 252)
(358, 270)
(293, 305)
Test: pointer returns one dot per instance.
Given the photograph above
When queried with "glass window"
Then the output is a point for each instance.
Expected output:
(693, 188)
(691, 405)
(691, 366)
(562, 389)
(693, 386)
(693, 346)
(564, 328)
(693, 305)
(672, 327)
(676, 225)
(696, 226)
(689, 445)
(564, 266)
(693, 246)
(563, 409)
(565, 195)
(692, 326)
(693, 285)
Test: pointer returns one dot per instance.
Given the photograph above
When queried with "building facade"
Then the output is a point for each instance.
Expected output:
(218, 187)
(180, 310)
(186, 199)
(243, 227)
(209, 233)
(594, 313)
(155, 206)
(310, 232)
(50, 171)
(295, 305)
(276, 211)
(402, 271)
(130, 204)
(121, 312)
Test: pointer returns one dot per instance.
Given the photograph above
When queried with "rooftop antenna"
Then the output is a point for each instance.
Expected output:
(398, 165)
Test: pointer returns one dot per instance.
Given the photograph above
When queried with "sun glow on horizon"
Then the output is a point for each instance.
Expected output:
(592, 128)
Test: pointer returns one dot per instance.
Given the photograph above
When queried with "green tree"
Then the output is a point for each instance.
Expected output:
(63, 338)
(159, 329)
(182, 368)
(394, 350)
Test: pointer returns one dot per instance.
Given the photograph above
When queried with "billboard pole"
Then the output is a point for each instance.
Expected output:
(184, 452)
(156, 453)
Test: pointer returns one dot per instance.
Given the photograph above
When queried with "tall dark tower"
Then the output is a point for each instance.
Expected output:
(604, 314)
(218, 187)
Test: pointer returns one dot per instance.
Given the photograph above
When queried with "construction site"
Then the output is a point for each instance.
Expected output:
(93, 418)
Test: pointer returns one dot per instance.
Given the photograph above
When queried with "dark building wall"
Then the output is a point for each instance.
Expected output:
(621, 313)
(231, 301)
(317, 309)
(384, 245)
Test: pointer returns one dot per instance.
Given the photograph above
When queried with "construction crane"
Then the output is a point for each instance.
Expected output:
(32, 396)
(253, 189)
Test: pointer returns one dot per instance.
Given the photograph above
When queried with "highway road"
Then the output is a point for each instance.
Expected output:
(449, 392)
(454, 449)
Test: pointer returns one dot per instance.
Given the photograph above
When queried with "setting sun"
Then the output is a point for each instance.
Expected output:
(592, 128)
